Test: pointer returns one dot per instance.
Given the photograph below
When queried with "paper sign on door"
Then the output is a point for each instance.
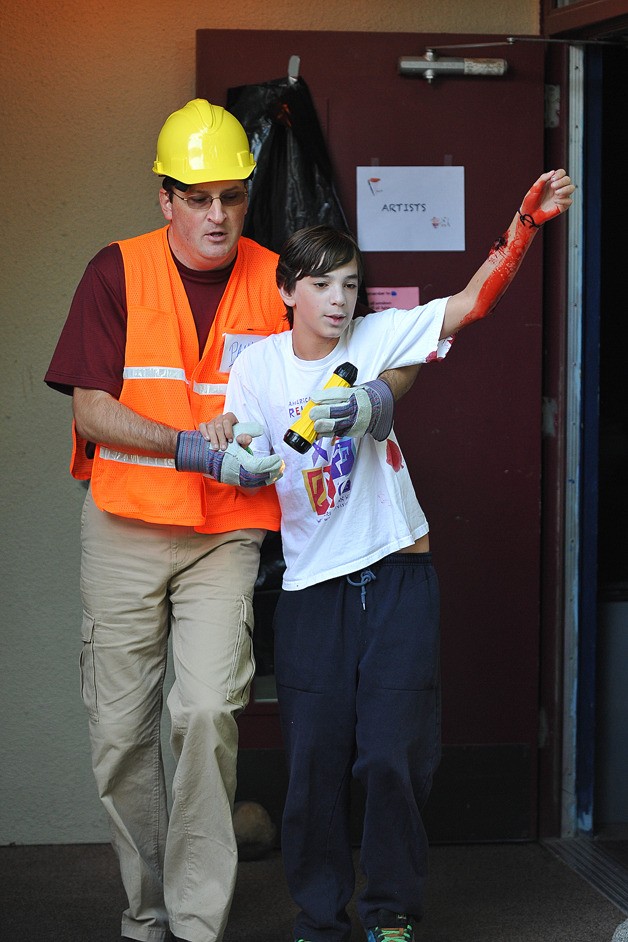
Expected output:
(410, 209)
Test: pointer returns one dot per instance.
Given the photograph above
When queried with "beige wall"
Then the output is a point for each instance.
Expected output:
(85, 88)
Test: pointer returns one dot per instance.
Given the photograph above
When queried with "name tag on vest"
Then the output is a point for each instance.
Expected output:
(234, 345)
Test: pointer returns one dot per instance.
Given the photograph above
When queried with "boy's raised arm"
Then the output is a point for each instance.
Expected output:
(548, 197)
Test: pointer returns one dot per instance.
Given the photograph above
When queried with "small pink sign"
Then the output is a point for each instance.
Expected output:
(380, 299)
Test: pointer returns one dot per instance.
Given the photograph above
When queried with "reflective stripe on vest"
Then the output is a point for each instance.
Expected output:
(170, 372)
(154, 372)
(210, 389)
(147, 461)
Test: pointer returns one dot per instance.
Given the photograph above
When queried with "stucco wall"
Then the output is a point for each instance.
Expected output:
(85, 89)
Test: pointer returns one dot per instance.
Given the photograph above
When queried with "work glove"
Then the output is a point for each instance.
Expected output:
(235, 465)
(353, 411)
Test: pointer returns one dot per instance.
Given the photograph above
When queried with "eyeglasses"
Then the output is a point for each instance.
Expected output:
(202, 201)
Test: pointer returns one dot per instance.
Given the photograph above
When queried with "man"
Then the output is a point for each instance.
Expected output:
(155, 324)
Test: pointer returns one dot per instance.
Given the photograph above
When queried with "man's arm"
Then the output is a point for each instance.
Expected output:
(102, 419)
(548, 197)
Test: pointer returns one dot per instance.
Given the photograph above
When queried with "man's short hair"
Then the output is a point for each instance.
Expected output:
(315, 251)
(169, 184)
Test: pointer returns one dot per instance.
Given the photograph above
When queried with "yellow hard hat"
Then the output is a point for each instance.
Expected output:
(202, 142)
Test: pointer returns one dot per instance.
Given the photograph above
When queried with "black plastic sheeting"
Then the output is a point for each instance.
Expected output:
(292, 186)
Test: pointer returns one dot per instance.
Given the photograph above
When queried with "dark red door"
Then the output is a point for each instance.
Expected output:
(471, 427)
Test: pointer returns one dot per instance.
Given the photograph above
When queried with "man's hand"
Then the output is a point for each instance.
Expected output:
(354, 411)
(235, 465)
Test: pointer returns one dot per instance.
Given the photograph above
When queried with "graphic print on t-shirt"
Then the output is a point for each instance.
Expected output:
(329, 485)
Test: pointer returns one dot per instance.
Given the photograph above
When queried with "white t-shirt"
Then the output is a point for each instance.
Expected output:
(347, 502)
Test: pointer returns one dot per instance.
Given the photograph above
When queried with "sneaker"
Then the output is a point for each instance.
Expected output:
(396, 927)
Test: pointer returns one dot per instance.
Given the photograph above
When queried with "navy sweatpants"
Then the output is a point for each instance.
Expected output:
(357, 668)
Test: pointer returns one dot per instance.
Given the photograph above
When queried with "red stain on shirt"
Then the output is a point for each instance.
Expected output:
(393, 455)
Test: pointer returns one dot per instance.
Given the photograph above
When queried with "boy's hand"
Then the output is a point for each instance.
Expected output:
(548, 197)
(235, 465)
(219, 432)
(354, 411)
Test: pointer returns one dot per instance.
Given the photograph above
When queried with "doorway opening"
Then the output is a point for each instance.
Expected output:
(611, 725)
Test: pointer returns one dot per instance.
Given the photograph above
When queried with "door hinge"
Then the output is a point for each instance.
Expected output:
(543, 731)
(549, 417)
(552, 106)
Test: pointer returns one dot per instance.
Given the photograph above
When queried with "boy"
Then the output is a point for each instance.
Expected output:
(356, 626)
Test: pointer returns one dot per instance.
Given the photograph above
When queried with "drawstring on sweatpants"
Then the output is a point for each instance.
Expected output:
(366, 576)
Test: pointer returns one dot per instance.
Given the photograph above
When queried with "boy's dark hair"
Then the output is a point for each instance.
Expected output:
(314, 251)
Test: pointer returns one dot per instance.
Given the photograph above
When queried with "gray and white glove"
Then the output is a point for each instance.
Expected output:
(235, 465)
(353, 411)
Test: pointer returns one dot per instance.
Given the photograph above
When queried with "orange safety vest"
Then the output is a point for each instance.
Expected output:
(164, 381)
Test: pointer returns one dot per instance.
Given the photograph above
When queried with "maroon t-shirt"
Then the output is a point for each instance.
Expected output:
(90, 350)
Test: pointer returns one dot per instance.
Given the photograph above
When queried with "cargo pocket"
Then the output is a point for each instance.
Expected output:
(88, 667)
(243, 663)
